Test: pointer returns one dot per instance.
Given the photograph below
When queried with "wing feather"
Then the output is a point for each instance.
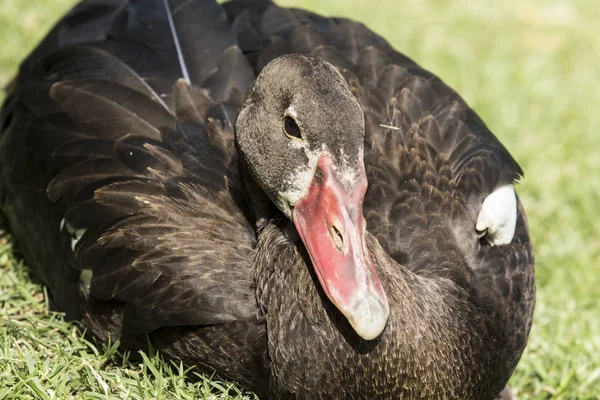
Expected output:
(134, 124)
(94, 62)
(193, 34)
(110, 110)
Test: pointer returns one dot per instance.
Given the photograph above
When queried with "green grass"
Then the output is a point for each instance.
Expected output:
(531, 69)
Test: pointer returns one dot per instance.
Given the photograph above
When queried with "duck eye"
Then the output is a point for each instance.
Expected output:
(291, 128)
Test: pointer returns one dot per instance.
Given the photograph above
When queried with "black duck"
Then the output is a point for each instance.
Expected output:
(269, 194)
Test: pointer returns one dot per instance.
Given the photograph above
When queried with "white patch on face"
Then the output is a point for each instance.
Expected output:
(296, 144)
(348, 174)
(348, 178)
(498, 216)
(291, 111)
(299, 181)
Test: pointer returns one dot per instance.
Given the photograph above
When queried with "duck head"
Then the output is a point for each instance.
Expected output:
(301, 134)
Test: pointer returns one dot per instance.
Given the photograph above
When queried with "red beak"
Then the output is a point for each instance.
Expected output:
(331, 224)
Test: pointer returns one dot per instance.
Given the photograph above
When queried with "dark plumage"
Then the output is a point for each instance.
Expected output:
(119, 159)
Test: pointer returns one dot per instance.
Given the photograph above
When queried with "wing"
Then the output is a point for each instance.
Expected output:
(124, 116)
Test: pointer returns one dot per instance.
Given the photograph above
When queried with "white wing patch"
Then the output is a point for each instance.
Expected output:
(85, 278)
(85, 281)
(498, 216)
(75, 233)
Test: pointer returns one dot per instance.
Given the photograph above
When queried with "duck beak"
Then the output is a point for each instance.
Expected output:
(331, 224)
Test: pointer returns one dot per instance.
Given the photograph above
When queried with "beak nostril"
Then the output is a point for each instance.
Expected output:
(337, 237)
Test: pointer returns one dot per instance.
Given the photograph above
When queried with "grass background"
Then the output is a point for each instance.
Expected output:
(532, 71)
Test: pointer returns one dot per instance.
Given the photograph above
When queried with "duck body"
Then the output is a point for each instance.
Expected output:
(131, 177)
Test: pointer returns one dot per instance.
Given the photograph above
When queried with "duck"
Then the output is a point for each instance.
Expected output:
(271, 195)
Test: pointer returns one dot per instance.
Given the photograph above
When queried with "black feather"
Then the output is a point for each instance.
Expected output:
(75, 151)
(231, 79)
(192, 103)
(96, 63)
(86, 22)
(74, 179)
(191, 34)
(110, 110)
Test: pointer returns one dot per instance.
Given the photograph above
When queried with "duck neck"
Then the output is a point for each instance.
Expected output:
(430, 319)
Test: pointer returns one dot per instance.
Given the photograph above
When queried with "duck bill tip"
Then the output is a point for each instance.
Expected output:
(369, 317)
